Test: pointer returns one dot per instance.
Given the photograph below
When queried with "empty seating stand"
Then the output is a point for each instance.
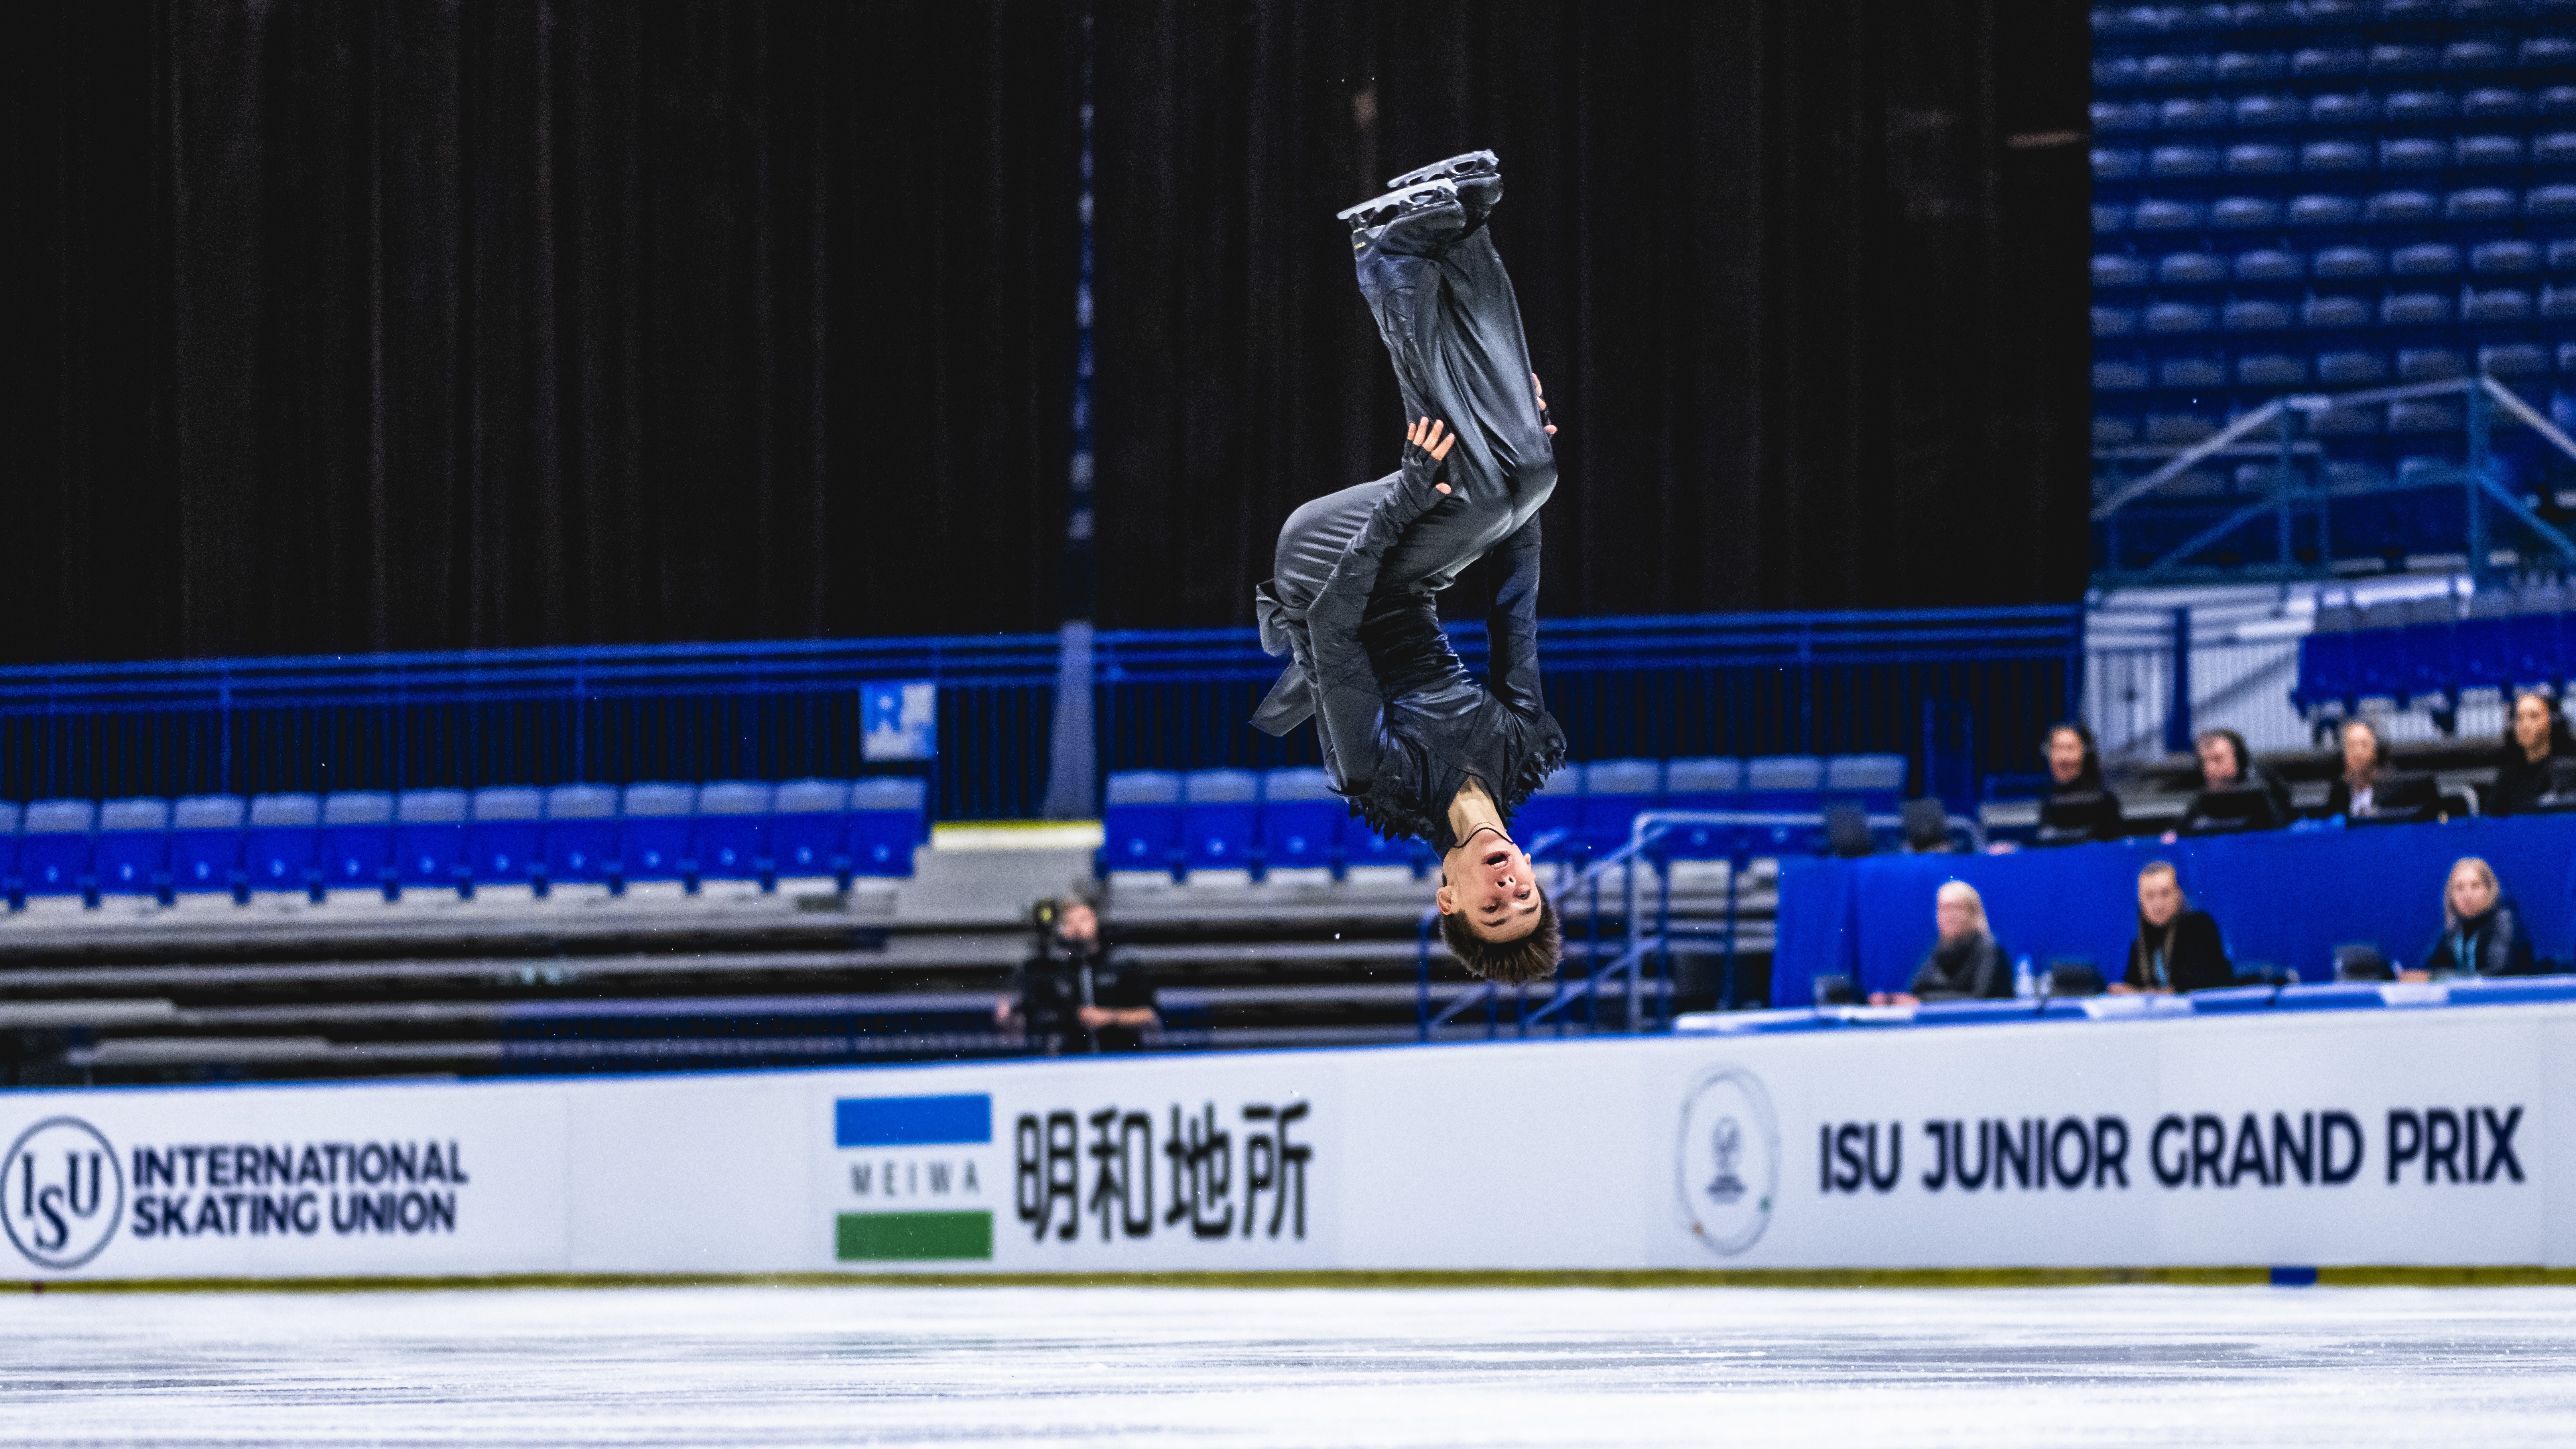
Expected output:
(454, 842)
(1302, 821)
(1220, 819)
(2435, 650)
(2332, 195)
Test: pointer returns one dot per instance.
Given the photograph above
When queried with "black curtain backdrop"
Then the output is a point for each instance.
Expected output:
(349, 326)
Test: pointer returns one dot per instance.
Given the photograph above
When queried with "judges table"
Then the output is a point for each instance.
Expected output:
(2286, 898)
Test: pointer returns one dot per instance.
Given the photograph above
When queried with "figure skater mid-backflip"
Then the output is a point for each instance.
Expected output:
(1414, 742)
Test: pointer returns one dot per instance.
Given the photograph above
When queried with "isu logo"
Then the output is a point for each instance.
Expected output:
(61, 1192)
(1728, 1160)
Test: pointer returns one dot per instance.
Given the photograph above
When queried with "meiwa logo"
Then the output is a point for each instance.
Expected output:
(64, 1192)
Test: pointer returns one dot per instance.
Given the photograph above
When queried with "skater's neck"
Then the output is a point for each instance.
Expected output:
(1471, 810)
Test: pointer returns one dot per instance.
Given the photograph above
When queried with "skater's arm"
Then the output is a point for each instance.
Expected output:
(1511, 628)
(1347, 701)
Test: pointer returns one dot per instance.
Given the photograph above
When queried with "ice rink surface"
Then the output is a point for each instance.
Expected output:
(752, 1366)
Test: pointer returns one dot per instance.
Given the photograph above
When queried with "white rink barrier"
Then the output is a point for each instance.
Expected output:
(2429, 1143)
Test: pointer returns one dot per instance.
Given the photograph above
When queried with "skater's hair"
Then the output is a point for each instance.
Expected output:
(1530, 957)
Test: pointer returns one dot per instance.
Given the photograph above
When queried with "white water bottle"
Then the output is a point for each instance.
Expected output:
(2023, 985)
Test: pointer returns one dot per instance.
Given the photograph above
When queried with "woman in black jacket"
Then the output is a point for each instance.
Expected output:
(2481, 931)
(2355, 792)
(2078, 806)
(2534, 742)
(2177, 949)
(1965, 963)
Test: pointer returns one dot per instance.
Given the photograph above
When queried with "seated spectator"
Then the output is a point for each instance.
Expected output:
(2226, 768)
(2176, 948)
(2534, 743)
(1966, 963)
(1074, 995)
(2481, 931)
(2365, 764)
(2078, 807)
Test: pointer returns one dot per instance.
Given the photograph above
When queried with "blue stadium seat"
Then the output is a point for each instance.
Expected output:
(284, 843)
(206, 841)
(1140, 821)
(1555, 809)
(2118, 163)
(2260, 158)
(2548, 52)
(2109, 217)
(2252, 67)
(2494, 103)
(1876, 783)
(2351, 368)
(2558, 304)
(2347, 262)
(2399, 59)
(1615, 792)
(2556, 148)
(54, 844)
(504, 836)
(2168, 214)
(2174, 319)
(580, 837)
(2193, 370)
(2269, 264)
(1701, 784)
(2113, 117)
(2481, 203)
(2415, 106)
(1301, 820)
(2332, 155)
(134, 847)
(2415, 309)
(2479, 54)
(2183, 161)
(2272, 369)
(2114, 321)
(1784, 783)
(2253, 314)
(429, 841)
(2556, 101)
(1220, 819)
(2555, 200)
(2119, 374)
(2505, 257)
(2493, 305)
(889, 819)
(2186, 68)
(2406, 205)
(2118, 269)
(653, 833)
(2487, 151)
(2429, 364)
(732, 840)
(358, 841)
(2424, 259)
(809, 830)
(2263, 109)
(2514, 359)
(2185, 269)
(2317, 61)
(2323, 209)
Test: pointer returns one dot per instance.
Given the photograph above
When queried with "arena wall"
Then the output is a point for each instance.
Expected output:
(2404, 1139)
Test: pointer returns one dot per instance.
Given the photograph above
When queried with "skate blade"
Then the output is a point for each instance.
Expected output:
(1400, 197)
(1464, 162)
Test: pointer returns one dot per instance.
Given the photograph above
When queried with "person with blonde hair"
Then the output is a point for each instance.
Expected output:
(1965, 963)
(2482, 931)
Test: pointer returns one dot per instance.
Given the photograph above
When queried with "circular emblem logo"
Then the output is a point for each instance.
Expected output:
(61, 1192)
(1727, 1162)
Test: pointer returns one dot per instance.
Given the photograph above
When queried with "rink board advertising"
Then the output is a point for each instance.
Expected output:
(2395, 1138)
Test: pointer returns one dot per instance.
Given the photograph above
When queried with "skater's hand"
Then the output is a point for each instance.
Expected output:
(1432, 436)
(1541, 393)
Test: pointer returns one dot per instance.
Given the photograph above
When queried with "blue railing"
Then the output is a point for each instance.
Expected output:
(1957, 691)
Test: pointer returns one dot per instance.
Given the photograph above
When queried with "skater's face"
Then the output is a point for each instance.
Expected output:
(1488, 880)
